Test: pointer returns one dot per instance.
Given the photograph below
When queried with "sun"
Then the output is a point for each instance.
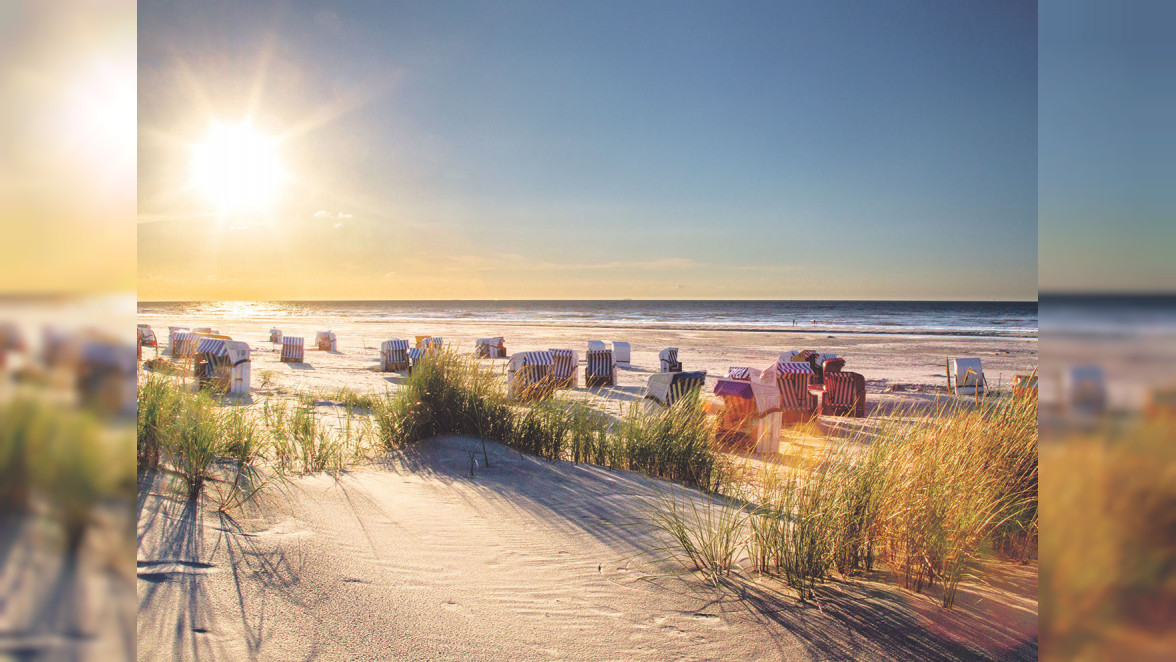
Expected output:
(237, 169)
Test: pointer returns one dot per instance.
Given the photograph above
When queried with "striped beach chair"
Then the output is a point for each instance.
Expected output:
(751, 410)
(436, 343)
(666, 388)
(622, 353)
(599, 369)
(563, 368)
(528, 375)
(966, 377)
(669, 360)
(292, 349)
(222, 366)
(275, 335)
(845, 394)
(173, 333)
(684, 383)
(325, 341)
(394, 355)
(185, 345)
(794, 378)
(739, 373)
(415, 356)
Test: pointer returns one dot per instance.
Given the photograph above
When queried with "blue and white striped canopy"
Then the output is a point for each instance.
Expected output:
(793, 367)
(397, 344)
(538, 358)
(211, 346)
(739, 373)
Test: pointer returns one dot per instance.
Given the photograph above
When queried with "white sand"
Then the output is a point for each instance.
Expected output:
(412, 559)
(527, 560)
(884, 360)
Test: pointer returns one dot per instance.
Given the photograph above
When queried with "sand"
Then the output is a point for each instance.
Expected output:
(526, 560)
(412, 558)
(915, 364)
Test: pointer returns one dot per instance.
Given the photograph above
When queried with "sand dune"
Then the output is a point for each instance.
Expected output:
(527, 560)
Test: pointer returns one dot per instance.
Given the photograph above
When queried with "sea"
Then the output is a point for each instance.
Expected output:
(937, 318)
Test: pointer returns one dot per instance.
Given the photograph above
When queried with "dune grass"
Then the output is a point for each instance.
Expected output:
(1108, 579)
(929, 495)
(453, 394)
(66, 460)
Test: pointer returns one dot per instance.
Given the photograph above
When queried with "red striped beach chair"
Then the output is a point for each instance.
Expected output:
(845, 395)
(794, 378)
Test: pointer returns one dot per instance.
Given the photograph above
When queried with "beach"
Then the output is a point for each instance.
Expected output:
(911, 366)
(425, 552)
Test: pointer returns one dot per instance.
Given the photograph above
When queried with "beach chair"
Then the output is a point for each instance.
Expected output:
(563, 367)
(742, 374)
(844, 394)
(292, 349)
(599, 369)
(432, 345)
(222, 366)
(966, 377)
(621, 353)
(751, 410)
(420, 341)
(106, 371)
(669, 360)
(490, 348)
(325, 341)
(145, 337)
(596, 346)
(415, 356)
(394, 355)
(1025, 386)
(528, 375)
(1085, 390)
(173, 333)
(794, 380)
(275, 335)
(666, 388)
(185, 345)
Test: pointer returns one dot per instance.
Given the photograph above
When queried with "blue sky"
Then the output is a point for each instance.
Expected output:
(599, 150)
(1108, 150)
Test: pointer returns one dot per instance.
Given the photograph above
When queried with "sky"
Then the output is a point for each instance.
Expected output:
(1107, 146)
(517, 150)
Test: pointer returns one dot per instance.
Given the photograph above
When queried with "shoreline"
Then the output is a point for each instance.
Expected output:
(628, 326)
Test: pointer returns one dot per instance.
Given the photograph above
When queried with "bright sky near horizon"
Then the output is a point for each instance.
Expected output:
(514, 150)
